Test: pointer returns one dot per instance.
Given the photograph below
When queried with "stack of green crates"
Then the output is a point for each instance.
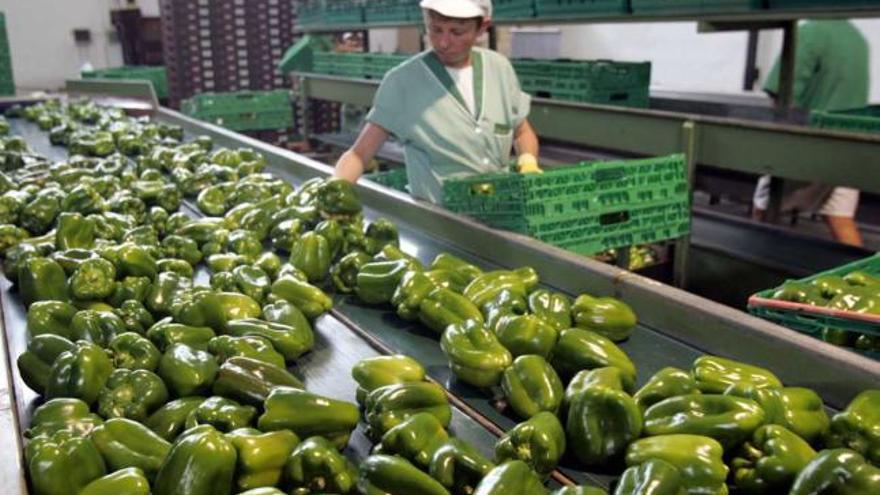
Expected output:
(865, 119)
(392, 11)
(513, 9)
(330, 12)
(814, 320)
(377, 64)
(585, 208)
(157, 75)
(682, 7)
(7, 83)
(820, 4)
(580, 8)
(243, 110)
(588, 81)
(364, 65)
(394, 178)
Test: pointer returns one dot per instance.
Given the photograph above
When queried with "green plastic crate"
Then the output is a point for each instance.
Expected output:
(588, 81)
(819, 4)
(394, 178)
(581, 8)
(391, 11)
(157, 75)
(694, 6)
(865, 119)
(330, 12)
(812, 320)
(339, 64)
(236, 102)
(585, 208)
(251, 121)
(513, 9)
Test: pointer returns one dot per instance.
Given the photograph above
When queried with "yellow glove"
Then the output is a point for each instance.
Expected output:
(528, 164)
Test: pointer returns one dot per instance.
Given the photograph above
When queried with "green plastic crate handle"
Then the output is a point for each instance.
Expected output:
(482, 189)
(614, 218)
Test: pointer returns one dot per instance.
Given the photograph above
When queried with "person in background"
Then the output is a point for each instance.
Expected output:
(351, 117)
(831, 73)
(456, 108)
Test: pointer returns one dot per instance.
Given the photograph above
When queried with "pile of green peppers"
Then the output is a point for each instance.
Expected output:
(155, 384)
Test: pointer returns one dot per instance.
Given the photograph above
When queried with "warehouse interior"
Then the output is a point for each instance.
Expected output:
(440, 247)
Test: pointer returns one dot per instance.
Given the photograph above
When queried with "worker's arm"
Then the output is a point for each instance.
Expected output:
(351, 164)
(525, 141)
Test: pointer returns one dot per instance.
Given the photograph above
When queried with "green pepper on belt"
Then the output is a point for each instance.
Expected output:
(526, 334)
(380, 233)
(552, 307)
(50, 317)
(124, 443)
(252, 346)
(799, 409)
(223, 414)
(715, 375)
(187, 371)
(312, 301)
(770, 461)
(131, 394)
(99, 327)
(372, 373)
(837, 471)
(607, 316)
(344, 272)
(487, 286)
(74, 231)
(578, 349)
(729, 420)
(337, 196)
(315, 466)
(62, 463)
(212, 309)
(858, 426)
(201, 462)
(164, 334)
(511, 477)
(250, 381)
(698, 459)
(62, 414)
(41, 279)
(474, 353)
(311, 254)
(80, 373)
(308, 414)
(458, 466)
(416, 439)
(135, 316)
(388, 406)
(444, 307)
(261, 456)
(666, 383)
(392, 475)
(171, 418)
(466, 271)
(531, 385)
(128, 481)
(378, 280)
(291, 342)
(412, 289)
(35, 364)
(652, 477)
(539, 442)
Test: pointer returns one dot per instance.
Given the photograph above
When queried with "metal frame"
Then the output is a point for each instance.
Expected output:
(705, 325)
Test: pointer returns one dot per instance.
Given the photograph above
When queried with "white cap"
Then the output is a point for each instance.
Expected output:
(460, 9)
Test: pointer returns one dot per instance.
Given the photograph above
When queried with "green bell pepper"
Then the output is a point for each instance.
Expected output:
(285, 234)
(837, 471)
(56, 415)
(344, 272)
(652, 477)
(74, 231)
(375, 372)
(62, 463)
(539, 442)
(531, 386)
(41, 279)
(379, 234)
(475, 355)
(858, 426)
(124, 443)
(388, 406)
(552, 307)
(315, 466)
(602, 419)
(511, 477)
(207, 308)
(443, 307)
(308, 414)
(261, 456)
(178, 266)
(170, 419)
(35, 364)
(291, 342)
(459, 467)
(578, 349)
(212, 200)
(526, 334)
(331, 231)
(607, 316)
(164, 334)
(770, 461)
(392, 475)
(250, 381)
(270, 263)
(337, 197)
(729, 420)
(38, 215)
(129, 481)
(698, 459)
(666, 383)
(715, 375)
(223, 414)
(311, 254)
(252, 346)
(201, 462)
(412, 289)
(464, 270)
(99, 327)
(378, 280)
(312, 301)
(80, 373)
(132, 260)
(135, 316)
(175, 246)
(252, 282)
(132, 394)
(799, 409)
(487, 286)
(286, 313)
(130, 288)
(245, 243)
(50, 317)
(416, 439)
(187, 371)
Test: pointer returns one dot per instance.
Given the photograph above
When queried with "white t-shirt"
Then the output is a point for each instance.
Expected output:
(464, 81)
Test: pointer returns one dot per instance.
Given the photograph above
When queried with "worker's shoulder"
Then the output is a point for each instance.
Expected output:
(408, 66)
(493, 58)
(833, 29)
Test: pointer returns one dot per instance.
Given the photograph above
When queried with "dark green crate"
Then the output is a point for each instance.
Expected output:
(236, 102)
(157, 75)
(673, 7)
(865, 119)
(581, 8)
(394, 178)
(820, 4)
(377, 11)
(606, 74)
(811, 320)
(513, 9)
(252, 121)
(330, 12)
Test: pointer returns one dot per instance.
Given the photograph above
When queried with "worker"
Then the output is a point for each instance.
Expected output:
(457, 109)
(831, 73)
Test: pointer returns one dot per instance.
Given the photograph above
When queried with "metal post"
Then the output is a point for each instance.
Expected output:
(365, 36)
(303, 98)
(785, 98)
(493, 37)
(683, 244)
(774, 207)
(751, 74)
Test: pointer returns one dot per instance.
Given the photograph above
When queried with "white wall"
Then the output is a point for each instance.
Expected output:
(41, 38)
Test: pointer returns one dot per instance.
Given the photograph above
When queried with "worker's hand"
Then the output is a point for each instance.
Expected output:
(528, 164)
